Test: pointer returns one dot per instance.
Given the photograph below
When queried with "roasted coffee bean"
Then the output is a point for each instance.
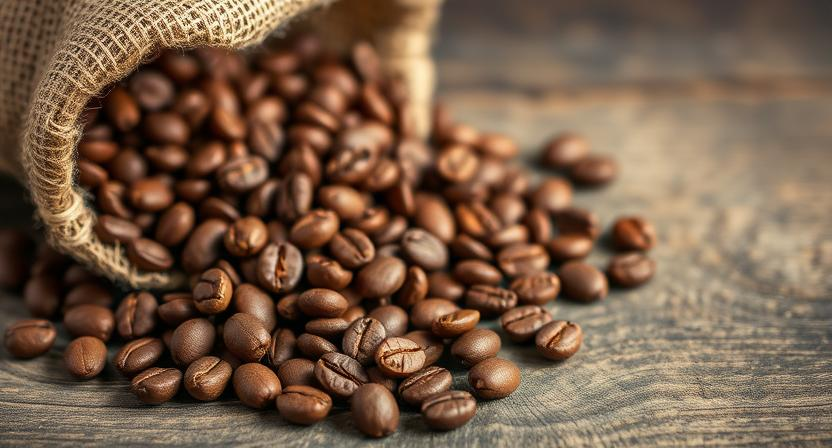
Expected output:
(340, 375)
(510, 235)
(510, 208)
(206, 378)
(320, 302)
(127, 166)
(374, 410)
(425, 383)
(112, 229)
(227, 124)
(399, 198)
(246, 338)
(552, 195)
(559, 340)
(457, 163)
(391, 232)
(539, 225)
(279, 267)
(633, 233)
(399, 357)
(192, 190)
(219, 208)
(138, 355)
(494, 378)
(430, 343)
(324, 272)
(594, 170)
(352, 313)
(281, 347)
(490, 300)
(156, 385)
(376, 376)
(206, 159)
(29, 338)
(261, 200)
(424, 249)
(90, 320)
(149, 255)
(256, 385)
(449, 410)
(579, 221)
(536, 289)
(122, 109)
(302, 159)
(294, 197)
(213, 291)
(385, 175)
(313, 346)
(246, 237)
(166, 127)
(85, 357)
(425, 312)
(433, 215)
(287, 307)
(583, 282)
(330, 328)
(91, 293)
(167, 158)
(474, 272)
(570, 247)
(523, 259)
(175, 224)
(303, 405)
(297, 372)
(362, 338)
(150, 195)
(414, 289)
(252, 300)
(565, 150)
(522, 323)
(441, 284)
(475, 346)
(136, 315)
(177, 311)
(192, 340)
(372, 221)
(314, 229)
(242, 174)
(454, 324)
(631, 269)
(41, 295)
(151, 89)
(393, 318)
(381, 277)
(464, 247)
(265, 137)
(204, 246)
(345, 201)
(352, 248)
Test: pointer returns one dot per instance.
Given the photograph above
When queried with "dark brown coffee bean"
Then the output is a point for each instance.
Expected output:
(245, 336)
(138, 355)
(314, 229)
(633, 233)
(374, 410)
(297, 372)
(303, 405)
(242, 174)
(523, 259)
(85, 357)
(454, 324)
(579, 221)
(324, 272)
(313, 346)
(177, 311)
(537, 288)
(279, 267)
(192, 190)
(193, 105)
(256, 385)
(570, 247)
(206, 378)
(175, 224)
(111, 229)
(227, 124)
(414, 289)
(583, 282)
(362, 338)
(381, 277)
(522, 323)
(150, 195)
(261, 200)
(219, 208)
(509, 235)
(206, 159)
(149, 255)
(399, 357)
(425, 383)
(565, 150)
(559, 340)
(151, 89)
(553, 195)
(136, 315)
(320, 302)
(433, 215)
(204, 246)
(477, 272)
(475, 346)
(192, 340)
(266, 138)
(352, 248)
(399, 198)
(345, 201)
(464, 247)
(213, 291)
(166, 127)
(91, 293)
(424, 249)
(539, 225)
(631, 269)
(330, 328)
(352, 162)
(457, 163)
(128, 166)
(393, 318)
(510, 208)
(246, 237)
(494, 378)
(89, 320)
(122, 109)
(497, 145)
(252, 300)
(167, 158)
(41, 295)
(29, 338)
(441, 284)
(302, 159)
(287, 307)
(449, 410)
(425, 312)
(340, 375)
(110, 199)
(281, 347)
(594, 170)
(156, 385)
(373, 220)
(385, 175)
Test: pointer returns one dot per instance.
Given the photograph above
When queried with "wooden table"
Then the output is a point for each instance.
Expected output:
(720, 114)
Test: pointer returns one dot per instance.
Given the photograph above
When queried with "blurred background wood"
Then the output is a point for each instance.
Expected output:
(719, 113)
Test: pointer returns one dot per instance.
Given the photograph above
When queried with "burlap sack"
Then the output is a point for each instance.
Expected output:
(56, 54)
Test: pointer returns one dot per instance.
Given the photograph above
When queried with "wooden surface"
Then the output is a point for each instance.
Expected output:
(721, 116)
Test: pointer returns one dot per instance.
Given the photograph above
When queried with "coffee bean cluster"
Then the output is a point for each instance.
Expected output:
(333, 257)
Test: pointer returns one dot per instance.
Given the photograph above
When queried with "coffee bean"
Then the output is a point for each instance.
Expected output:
(633, 233)
(302, 159)
(127, 166)
(539, 225)
(362, 338)
(393, 318)
(85, 357)
(399, 357)
(314, 347)
(151, 90)
(433, 215)
(324, 272)
(424, 249)
(29, 338)
(449, 410)
(192, 340)
(150, 195)
(552, 195)
(594, 170)
(242, 174)
(454, 324)
(381, 277)
(631, 269)
(246, 237)
(441, 284)
(559, 339)
(166, 127)
(281, 347)
(175, 224)
(156, 385)
(536, 289)
(490, 300)
(303, 405)
(167, 158)
(494, 378)
(425, 312)
(374, 410)
(260, 202)
(465, 247)
(414, 289)
(41, 295)
(245, 336)
(340, 375)
(287, 307)
(252, 300)
(457, 163)
(206, 378)
(136, 315)
(352, 248)
(89, 320)
(91, 293)
(376, 376)
(138, 355)
(111, 229)
(149, 255)
(297, 372)
(329, 328)
(345, 201)
(122, 109)
(430, 343)
(192, 190)
(219, 208)
(583, 282)
(320, 302)
(177, 311)
(279, 267)
(565, 150)
(256, 385)
(521, 324)
(204, 246)
(570, 247)
(523, 259)
(213, 291)
(314, 229)
(206, 159)
(475, 346)
(473, 272)
(372, 221)
(425, 383)
(579, 221)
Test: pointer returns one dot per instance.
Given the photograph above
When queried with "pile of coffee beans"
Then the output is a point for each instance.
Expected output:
(334, 257)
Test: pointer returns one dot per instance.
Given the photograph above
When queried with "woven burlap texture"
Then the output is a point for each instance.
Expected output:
(57, 54)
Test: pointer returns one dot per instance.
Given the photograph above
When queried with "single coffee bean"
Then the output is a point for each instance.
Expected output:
(399, 357)
(539, 225)
(260, 201)
(206, 378)
(252, 300)
(287, 307)
(151, 89)
(536, 289)
(313, 346)
(633, 233)
(425, 383)
(85, 357)
(315, 229)
(246, 237)
(510, 208)
(303, 405)
(345, 201)
(204, 246)
(29, 338)
(167, 158)
(372, 221)
(175, 224)
(206, 159)
(464, 247)
(393, 318)
(297, 372)
(41, 295)
(522, 323)
(454, 324)
(192, 340)
(553, 195)
(442, 284)
(177, 311)
(223, 209)
(340, 375)
(522, 259)
(381, 277)
(352, 248)
(90, 320)
(352, 313)
(490, 300)
(330, 328)
(213, 291)
(149, 255)
(565, 150)
(150, 195)
(127, 166)
(112, 229)
(424, 249)
(281, 347)
(242, 174)
(324, 272)
(136, 315)
(474, 272)
(91, 293)
(594, 170)
(583, 282)
(510, 235)
(476, 219)
(256, 385)
(475, 346)
(279, 267)
(320, 302)
(294, 197)
(362, 338)
(433, 215)
(457, 163)
(138, 355)
(427, 311)
(570, 247)
(156, 385)
(631, 269)
(430, 343)
(374, 410)
(166, 127)
(559, 339)
(245, 337)
(449, 410)
(414, 289)
(574, 220)
(110, 200)
(391, 232)
(494, 378)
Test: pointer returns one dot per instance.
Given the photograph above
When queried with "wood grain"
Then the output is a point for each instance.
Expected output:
(719, 116)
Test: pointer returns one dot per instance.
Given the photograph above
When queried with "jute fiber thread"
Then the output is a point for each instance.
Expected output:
(57, 54)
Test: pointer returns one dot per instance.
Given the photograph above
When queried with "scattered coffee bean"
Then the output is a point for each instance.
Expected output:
(490, 300)
(256, 385)
(85, 357)
(90, 320)
(29, 338)
(138, 355)
(565, 150)
(297, 372)
(494, 378)
(393, 318)
(570, 247)
(399, 357)
(475, 346)
(136, 315)
(374, 410)
(246, 337)
(431, 344)
(559, 339)
(425, 383)
(522, 323)
(633, 233)
(425, 312)
(536, 289)
(192, 340)
(206, 378)
(454, 324)
(156, 385)
(303, 405)
(449, 410)
(594, 170)
(339, 374)
(631, 269)
(583, 282)
(252, 300)
(363, 338)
